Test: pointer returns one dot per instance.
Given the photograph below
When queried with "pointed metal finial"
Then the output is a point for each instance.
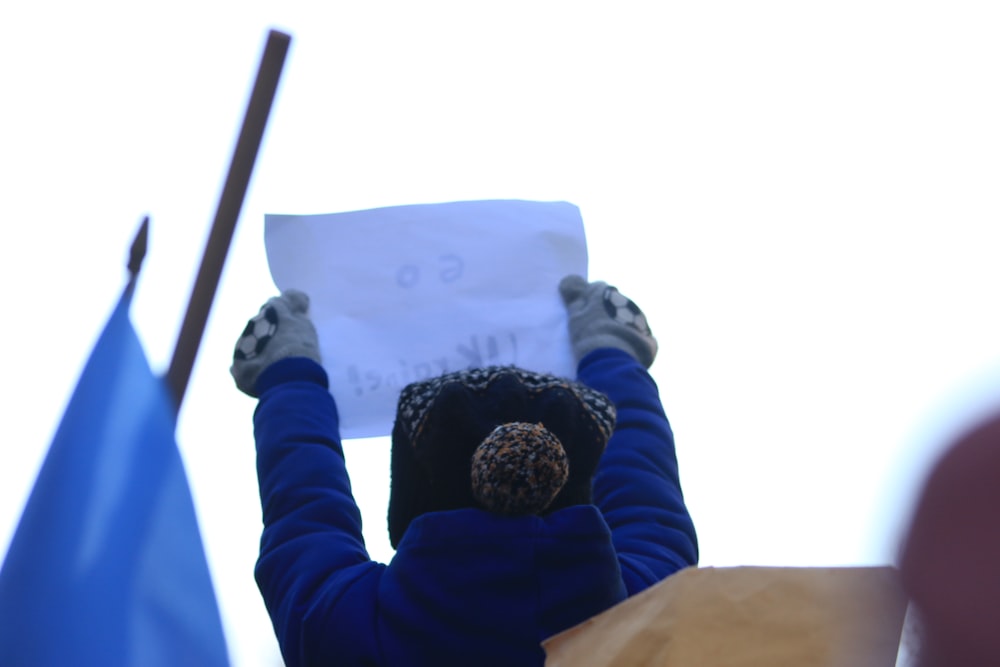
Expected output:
(138, 250)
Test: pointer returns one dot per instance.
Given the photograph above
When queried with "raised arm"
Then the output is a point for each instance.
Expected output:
(313, 570)
(637, 486)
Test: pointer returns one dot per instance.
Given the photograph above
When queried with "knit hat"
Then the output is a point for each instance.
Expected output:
(500, 438)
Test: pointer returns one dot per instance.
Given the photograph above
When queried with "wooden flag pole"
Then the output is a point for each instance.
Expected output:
(226, 215)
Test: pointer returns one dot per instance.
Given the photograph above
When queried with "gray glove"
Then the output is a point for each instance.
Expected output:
(281, 329)
(601, 316)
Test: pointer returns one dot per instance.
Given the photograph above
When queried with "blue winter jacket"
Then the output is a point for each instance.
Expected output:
(464, 586)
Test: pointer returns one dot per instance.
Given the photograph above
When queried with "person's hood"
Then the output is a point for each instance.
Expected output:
(492, 588)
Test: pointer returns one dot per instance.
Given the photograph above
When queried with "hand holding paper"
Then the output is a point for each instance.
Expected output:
(281, 329)
(601, 316)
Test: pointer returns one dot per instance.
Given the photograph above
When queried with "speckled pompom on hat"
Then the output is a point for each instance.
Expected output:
(501, 438)
(519, 469)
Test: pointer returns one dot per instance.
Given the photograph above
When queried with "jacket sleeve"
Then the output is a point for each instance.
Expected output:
(314, 573)
(637, 486)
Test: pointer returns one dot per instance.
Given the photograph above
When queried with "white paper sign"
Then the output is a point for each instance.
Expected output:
(405, 293)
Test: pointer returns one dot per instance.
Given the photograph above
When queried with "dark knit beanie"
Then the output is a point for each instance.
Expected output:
(501, 438)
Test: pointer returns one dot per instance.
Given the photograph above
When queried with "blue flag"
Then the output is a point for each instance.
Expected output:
(107, 566)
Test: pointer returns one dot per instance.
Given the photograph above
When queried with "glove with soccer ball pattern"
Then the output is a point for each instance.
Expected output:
(601, 316)
(281, 329)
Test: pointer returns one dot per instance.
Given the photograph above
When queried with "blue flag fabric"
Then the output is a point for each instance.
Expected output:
(107, 566)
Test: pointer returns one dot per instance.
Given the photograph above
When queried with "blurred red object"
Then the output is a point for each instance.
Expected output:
(950, 561)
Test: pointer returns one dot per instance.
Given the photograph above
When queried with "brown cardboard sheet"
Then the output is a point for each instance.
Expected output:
(746, 617)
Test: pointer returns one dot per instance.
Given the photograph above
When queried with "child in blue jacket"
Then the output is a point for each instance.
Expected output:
(521, 503)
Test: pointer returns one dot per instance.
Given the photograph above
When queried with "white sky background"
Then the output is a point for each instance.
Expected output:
(801, 195)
